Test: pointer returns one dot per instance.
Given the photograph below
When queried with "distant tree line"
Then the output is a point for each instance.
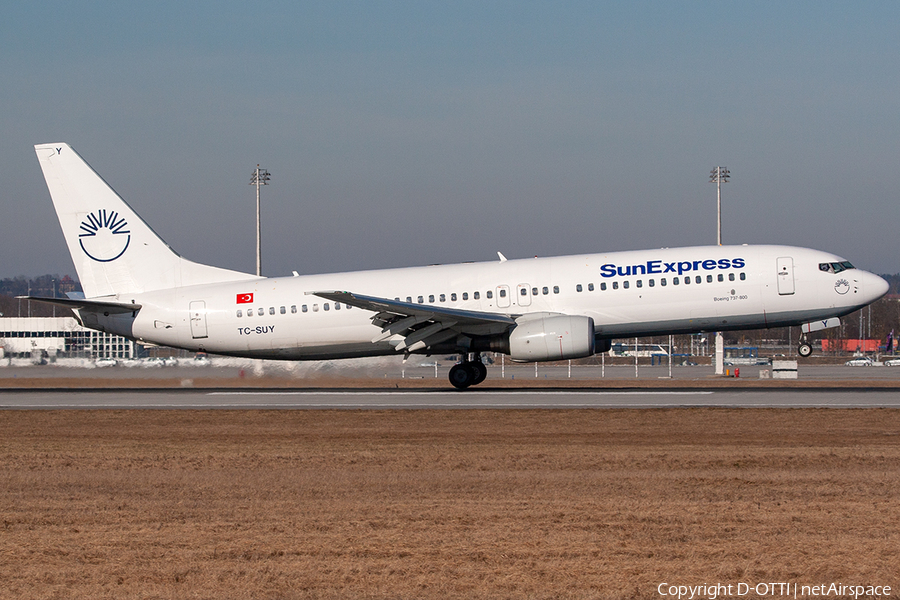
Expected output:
(48, 286)
(52, 286)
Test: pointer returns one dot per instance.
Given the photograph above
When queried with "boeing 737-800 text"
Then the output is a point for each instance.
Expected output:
(536, 309)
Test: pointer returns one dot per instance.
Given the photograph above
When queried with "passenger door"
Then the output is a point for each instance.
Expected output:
(785, 266)
(198, 319)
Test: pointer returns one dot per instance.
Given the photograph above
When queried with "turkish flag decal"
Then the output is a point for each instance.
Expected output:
(244, 298)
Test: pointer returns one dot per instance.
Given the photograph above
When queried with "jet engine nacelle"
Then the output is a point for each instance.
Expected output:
(552, 338)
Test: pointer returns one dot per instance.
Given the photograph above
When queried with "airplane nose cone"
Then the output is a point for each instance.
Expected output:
(876, 287)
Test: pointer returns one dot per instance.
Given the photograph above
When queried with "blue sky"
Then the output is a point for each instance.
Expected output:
(403, 133)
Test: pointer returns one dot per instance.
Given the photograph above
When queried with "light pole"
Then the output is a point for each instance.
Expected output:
(719, 175)
(259, 177)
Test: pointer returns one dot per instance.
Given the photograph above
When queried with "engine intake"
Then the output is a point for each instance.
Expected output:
(552, 338)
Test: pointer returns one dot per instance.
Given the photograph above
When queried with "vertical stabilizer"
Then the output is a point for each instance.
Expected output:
(114, 251)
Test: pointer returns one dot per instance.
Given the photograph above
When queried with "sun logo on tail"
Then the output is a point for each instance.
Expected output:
(104, 235)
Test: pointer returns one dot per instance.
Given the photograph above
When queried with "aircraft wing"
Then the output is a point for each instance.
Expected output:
(98, 306)
(421, 325)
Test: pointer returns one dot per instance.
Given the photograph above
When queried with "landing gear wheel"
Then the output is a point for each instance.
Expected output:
(479, 370)
(462, 376)
(804, 349)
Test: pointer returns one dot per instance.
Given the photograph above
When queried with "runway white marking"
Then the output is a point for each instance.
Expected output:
(445, 399)
(433, 406)
(473, 393)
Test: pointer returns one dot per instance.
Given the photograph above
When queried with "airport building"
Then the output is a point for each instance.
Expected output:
(51, 337)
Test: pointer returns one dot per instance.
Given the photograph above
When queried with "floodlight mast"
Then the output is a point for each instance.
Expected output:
(259, 177)
(719, 175)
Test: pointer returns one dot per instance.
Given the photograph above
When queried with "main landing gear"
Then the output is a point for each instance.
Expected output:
(468, 372)
(805, 348)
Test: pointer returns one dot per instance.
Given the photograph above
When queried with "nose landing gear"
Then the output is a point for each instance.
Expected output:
(468, 373)
(805, 348)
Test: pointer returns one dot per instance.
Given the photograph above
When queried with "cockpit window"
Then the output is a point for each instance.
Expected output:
(835, 267)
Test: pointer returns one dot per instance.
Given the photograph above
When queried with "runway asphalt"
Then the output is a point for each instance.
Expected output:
(382, 399)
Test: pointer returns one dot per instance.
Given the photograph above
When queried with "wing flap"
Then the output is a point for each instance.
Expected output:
(409, 309)
(421, 325)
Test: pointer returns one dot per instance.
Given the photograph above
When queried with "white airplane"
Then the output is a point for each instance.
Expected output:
(535, 309)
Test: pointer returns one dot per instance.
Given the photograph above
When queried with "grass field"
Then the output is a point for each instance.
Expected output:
(443, 504)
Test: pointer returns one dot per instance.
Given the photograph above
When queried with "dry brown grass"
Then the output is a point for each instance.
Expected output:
(443, 504)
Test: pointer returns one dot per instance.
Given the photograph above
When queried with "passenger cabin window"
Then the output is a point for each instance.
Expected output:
(282, 310)
(325, 306)
(431, 299)
(476, 295)
(743, 276)
(421, 300)
(639, 283)
(731, 277)
(453, 297)
(709, 279)
(555, 289)
(534, 291)
(698, 279)
(465, 295)
(409, 299)
(261, 311)
(239, 313)
(502, 293)
(523, 292)
(315, 308)
(590, 287)
(615, 285)
(337, 306)
(293, 309)
(545, 291)
(304, 308)
(442, 297)
(674, 281)
(651, 282)
(721, 277)
(625, 285)
(578, 288)
(489, 294)
(662, 281)
(602, 286)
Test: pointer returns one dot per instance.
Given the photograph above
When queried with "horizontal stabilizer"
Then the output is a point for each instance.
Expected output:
(98, 306)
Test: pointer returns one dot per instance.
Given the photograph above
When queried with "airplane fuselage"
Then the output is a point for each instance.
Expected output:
(637, 293)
